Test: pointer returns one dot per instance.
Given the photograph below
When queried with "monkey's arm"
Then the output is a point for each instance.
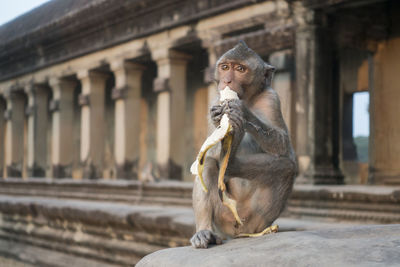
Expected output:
(270, 133)
(269, 137)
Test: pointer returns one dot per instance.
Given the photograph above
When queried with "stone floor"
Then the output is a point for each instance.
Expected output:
(30, 256)
(371, 245)
(7, 262)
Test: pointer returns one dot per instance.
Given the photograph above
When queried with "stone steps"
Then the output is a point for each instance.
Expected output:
(132, 192)
(375, 204)
(352, 203)
(112, 233)
(107, 232)
(38, 256)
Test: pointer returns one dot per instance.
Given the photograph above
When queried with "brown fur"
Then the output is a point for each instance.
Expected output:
(262, 165)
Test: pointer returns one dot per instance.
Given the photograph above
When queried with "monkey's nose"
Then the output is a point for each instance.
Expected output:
(227, 81)
(228, 78)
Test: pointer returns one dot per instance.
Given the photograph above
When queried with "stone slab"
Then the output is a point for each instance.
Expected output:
(377, 245)
(105, 231)
(24, 255)
(349, 203)
(179, 220)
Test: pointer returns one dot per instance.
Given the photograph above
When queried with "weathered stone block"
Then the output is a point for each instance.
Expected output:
(353, 246)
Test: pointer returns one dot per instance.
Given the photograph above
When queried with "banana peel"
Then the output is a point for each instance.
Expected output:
(268, 230)
(218, 135)
(224, 134)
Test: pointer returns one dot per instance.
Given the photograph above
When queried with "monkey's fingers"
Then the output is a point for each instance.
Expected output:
(231, 204)
(268, 230)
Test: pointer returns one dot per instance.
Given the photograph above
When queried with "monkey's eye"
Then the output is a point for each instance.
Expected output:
(240, 68)
(224, 67)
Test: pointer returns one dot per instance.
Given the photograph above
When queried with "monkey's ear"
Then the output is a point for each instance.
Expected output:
(269, 70)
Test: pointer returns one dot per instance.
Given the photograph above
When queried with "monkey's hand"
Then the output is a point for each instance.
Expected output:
(216, 113)
(235, 110)
(203, 238)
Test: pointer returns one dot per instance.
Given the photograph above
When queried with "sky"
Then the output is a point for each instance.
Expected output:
(361, 114)
(10, 9)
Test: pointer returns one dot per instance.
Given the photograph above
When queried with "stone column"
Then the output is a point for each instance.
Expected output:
(3, 108)
(349, 148)
(209, 75)
(92, 123)
(283, 85)
(212, 91)
(15, 116)
(384, 147)
(127, 93)
(61, 107)
(36, 112)
(171, 88)
(317, 142)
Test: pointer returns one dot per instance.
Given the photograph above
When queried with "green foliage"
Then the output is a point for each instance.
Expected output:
(362, 148)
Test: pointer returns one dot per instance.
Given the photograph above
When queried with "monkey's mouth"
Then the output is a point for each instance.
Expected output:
(228, 94)
(238, 93)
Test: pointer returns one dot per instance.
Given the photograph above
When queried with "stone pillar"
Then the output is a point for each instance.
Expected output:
(92, 123)
(384, 147)
(283, 85)
(36, 112)
(61, 107)
(349, 148)
(171, 88)
(317, 142)
(212, 91)
(15, 116)
(127, 93)
(3, 108)
(209, 75)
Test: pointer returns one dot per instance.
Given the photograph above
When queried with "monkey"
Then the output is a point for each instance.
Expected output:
(262, 165)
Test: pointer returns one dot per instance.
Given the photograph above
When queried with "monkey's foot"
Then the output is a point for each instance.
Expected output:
(203, 238)
(268, 230)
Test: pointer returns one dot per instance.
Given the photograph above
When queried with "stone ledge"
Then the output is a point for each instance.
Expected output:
(108, 232)
(34, 256)
(351, 203)
(362, 203)
(162, 193)
(113, 233)
(352, 246)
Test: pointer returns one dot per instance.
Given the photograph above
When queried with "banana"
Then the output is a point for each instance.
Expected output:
(268, 230)
(223, 133)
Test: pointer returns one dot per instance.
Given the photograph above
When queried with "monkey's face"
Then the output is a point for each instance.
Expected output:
(243, 71)
(238, 75)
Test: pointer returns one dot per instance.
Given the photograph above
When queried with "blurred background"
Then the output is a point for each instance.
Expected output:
(103, 108)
